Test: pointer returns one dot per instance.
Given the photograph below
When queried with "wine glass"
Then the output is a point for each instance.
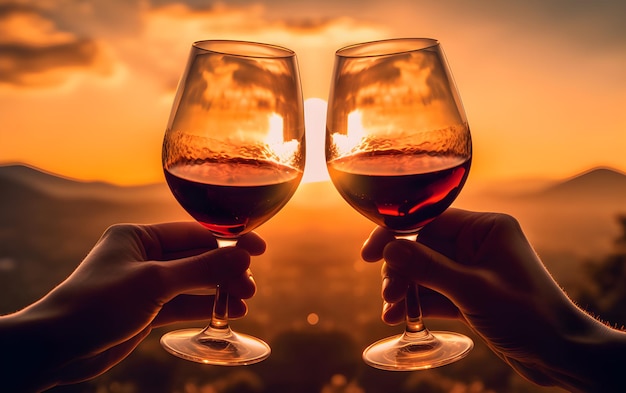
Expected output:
(398, 150)
(233, 155)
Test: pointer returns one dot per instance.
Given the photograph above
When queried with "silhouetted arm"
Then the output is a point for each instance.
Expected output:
(481, 269)
(130, 282)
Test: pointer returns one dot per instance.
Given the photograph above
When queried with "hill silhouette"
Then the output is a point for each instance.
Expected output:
(598, 183)
(576, 215)
(52, 185)
(312, 265)
(49, 223)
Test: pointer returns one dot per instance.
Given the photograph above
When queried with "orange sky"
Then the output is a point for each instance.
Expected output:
(85, 90)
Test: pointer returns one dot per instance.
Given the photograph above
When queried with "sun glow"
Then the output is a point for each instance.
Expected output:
(315, 123)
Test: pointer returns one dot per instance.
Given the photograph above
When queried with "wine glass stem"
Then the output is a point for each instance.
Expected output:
(414, 323)
(219, 316)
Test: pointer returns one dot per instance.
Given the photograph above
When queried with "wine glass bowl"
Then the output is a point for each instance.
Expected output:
(233, 155)
(398, 150)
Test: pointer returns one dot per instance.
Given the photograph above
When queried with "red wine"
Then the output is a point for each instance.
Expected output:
(400, 192)
(231, 198)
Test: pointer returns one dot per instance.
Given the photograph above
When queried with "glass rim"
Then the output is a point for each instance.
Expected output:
(241, 48)
(386, 47)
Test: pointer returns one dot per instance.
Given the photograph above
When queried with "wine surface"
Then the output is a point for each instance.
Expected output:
(398, 191)
(231, 198)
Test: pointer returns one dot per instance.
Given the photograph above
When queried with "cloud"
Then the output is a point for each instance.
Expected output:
(168, 31)
(47, 43)
(72, 62)
(20, 24)
(51, 65)
(35, 52)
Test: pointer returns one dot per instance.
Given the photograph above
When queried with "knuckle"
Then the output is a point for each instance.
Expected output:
(117, 231)
(152, 275)
(503, 221)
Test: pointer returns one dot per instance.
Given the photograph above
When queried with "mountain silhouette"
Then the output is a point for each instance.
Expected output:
(596, 182)
(601, 183)
(568, 220)
(48, 224)
(53, 185)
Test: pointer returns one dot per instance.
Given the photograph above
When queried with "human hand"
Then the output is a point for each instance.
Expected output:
(480, 268)
(134, 279)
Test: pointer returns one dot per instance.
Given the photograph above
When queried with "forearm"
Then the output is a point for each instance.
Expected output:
(596, 362)
(30, 351)
(576, 352)
(561, 345)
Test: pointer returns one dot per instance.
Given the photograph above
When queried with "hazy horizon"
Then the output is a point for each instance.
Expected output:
(513, 183)
(575, 219)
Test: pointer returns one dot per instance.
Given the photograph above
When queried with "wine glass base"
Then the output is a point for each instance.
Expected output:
(217, 347)
(417, 351)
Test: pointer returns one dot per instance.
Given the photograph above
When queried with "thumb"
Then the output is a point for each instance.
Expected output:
(204, 270)
(430, 269)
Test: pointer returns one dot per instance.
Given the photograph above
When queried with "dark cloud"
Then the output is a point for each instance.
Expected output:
(597, 25)
(24, 65)
(305, 23)
(26, 61)
(101, 18)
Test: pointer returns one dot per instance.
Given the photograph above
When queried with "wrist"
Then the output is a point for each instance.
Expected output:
(31, 350)
(590, 360)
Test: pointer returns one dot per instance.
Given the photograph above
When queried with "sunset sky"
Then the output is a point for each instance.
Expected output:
(86, 86)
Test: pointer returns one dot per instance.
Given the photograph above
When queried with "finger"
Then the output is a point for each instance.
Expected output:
(175, 237)
(465, 230)
(432, 269)
(394, 313)
(228, 264)
(394, 286)
(372, 249)
(189, 308)
(433, 305)
(253, 243)
(243, 286)
(448, 225)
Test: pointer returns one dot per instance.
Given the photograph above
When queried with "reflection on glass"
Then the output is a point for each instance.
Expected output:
(398, 150)
(233, 155)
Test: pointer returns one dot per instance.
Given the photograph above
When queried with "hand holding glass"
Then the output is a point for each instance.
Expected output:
(398, 150)
(233, 155)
